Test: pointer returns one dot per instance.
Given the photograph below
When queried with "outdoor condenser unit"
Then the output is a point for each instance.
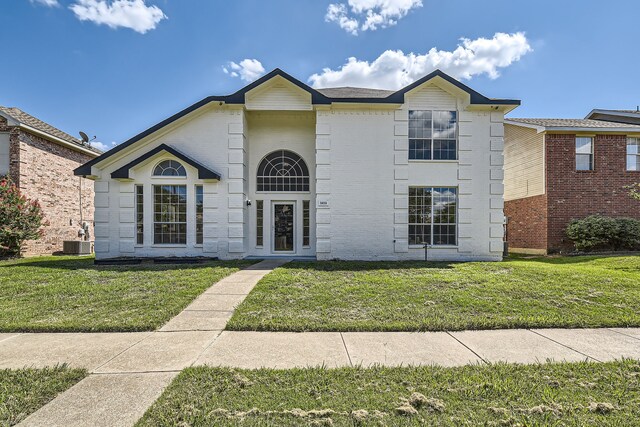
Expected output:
(76, 247)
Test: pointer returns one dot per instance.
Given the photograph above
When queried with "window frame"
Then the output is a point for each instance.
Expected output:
(198, 204)
(180, 166)
(636, 141)
(265, 162)
(432, 224)
(184, 223)
(139, 213)
(592, 165)
(306, 223)
(259, 223)
(431, 139)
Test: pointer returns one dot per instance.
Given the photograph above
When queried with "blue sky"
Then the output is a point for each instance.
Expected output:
(115, 67)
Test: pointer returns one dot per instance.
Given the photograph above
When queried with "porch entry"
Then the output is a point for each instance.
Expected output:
(283, 227)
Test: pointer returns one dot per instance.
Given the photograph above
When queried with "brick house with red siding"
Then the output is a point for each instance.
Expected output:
(557, 170)
(40, 160)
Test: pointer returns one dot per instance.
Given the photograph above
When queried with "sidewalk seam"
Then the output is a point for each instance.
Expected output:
(468, 348)
(128, 348)
(622, 333)
(564, 345)
(346, 349)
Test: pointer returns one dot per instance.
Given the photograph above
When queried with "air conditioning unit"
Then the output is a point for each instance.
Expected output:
(76, 247)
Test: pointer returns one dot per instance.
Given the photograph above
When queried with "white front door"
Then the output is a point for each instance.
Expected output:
(283, 227)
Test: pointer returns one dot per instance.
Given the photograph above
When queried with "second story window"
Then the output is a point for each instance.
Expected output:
(433, 135)
(584, 153)
(633, 154)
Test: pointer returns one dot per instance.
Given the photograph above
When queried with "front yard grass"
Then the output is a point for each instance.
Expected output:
(418, 296)
(568, 394)
(23, 391)
(70, 294)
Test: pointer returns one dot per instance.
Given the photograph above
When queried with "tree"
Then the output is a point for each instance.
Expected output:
(21, 219)
(634, 190)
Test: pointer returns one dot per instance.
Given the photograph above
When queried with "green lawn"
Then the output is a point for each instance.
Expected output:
(23, 391)
(419, 296)
(568, 394)
(56, 294)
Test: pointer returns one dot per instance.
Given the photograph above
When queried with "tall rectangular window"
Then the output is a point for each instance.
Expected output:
(259, 222)
(433, 215)
(633, 154)
(433, 135)
(199, 214)
(170, 214)
(306, 223)
(584, 153)
(139, 214)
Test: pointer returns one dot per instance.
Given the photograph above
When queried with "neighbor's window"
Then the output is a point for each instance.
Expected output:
(633, 154)
(169, 168)
(259, 222)
(432, 215)
(584, 153)
(199, 214)
(139, 214)
(170, 214)
(433, 135)
(306, 225)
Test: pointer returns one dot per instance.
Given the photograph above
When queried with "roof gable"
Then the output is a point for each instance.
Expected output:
(278, 94)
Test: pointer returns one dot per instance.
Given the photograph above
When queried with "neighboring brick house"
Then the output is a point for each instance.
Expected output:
(40, 160)
(557, 170)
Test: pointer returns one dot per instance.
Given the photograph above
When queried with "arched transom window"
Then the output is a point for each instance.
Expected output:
(169, 168)
(283, 170)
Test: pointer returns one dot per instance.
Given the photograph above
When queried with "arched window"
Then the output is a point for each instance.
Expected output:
(283, 170)
(169, 168)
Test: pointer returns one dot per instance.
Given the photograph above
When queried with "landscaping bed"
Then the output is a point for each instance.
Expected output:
(71, 294)
(570, 292)
(572, 394)
(23, 391)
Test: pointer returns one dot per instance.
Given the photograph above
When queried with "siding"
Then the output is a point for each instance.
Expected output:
(523, 163)
(280, 95)
(432, 97)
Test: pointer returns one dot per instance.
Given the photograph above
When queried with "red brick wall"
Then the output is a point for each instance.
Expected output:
(575, 194)
(527, 222)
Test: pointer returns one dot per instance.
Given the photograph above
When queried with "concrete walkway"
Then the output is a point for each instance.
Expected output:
(128, 371)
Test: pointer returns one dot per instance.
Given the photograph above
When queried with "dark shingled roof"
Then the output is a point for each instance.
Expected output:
(28, 120)
(570, 123)
(354, 92)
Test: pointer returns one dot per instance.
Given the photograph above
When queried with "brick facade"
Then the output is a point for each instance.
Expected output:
(43, 170)
(527, 225)
(575, 194)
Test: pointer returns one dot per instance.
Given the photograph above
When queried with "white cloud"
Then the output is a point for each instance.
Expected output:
(395, 69)
(369, 15)
(248, 69)
(133, 14)
(49, 3)
(102, 146)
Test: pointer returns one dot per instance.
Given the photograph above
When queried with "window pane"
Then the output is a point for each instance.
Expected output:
(444, 149)
(139, 214)
(633, 162)
(584, 145)
(306, 224)
(432, 215)
(199, 214)
(259, 222)
(583, 162)
(283, 170)
(170, 218)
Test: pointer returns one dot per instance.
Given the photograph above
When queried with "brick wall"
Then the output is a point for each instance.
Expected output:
(527, 225)
(576, 194)
(44, 171)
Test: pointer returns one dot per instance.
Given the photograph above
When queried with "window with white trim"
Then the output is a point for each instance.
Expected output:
(139, 214)
(306, 222)
(633, 154)
(433, 216)
(199, 214)
(584, 153)
(259, 223)
(283, 170)
(170, 214)
(169, 168)
(433, 135)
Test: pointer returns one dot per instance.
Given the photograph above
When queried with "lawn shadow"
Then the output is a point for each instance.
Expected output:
(570, 259)
(336, 265)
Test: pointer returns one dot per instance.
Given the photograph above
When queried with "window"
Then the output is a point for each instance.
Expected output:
(199, 214)
(169, 168)
(433, 135)
(139, 214)
(259, 223)
(432, 215)
(584, 153)
(633, 154)
(306, 226)
(283, 170)
(170, 214)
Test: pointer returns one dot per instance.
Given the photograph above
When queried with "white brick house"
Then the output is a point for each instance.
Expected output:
(281, 169)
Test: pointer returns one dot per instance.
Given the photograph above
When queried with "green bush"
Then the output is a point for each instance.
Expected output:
(21, 219)
(597, 232)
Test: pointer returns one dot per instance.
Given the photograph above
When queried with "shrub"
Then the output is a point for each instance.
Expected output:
(600, 232)
(21, 219)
